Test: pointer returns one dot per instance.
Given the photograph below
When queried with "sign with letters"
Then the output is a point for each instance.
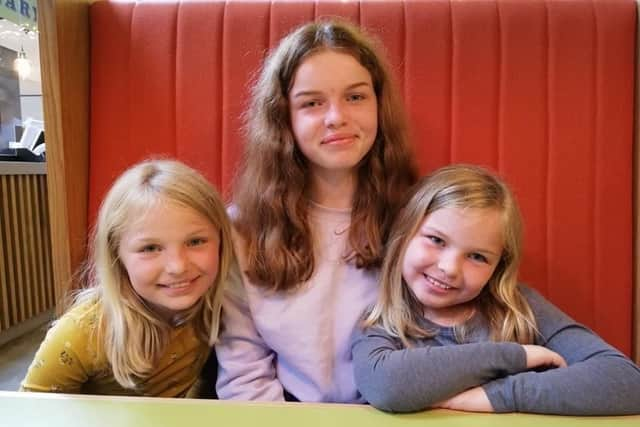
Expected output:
(20, 12)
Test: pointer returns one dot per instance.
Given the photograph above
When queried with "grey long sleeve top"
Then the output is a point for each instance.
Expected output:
(599, 380)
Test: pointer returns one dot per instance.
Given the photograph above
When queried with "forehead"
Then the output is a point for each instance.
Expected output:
(163, 216)
(329, 68)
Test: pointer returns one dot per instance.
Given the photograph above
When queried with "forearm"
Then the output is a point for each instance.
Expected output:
(598, 381)
(405, 380)
(246, 368)
(603, 386)
(472, 400)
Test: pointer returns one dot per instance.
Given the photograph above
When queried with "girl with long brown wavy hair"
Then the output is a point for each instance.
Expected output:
(325, 165)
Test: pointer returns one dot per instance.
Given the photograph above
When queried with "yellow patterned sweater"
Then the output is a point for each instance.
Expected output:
(67, 361)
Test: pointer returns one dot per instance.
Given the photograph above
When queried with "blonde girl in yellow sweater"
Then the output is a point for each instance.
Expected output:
(159, 257)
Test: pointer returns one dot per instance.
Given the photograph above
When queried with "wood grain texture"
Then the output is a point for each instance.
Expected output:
(64, 53)
(25, 274)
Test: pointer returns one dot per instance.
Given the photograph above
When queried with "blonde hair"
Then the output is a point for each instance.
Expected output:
(461, 186)
(131, 334)
(271, 188)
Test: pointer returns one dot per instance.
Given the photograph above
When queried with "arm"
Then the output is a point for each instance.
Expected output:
(58, 365)
(598, 381)
(472, 400)
(246, 368)
(402, 380)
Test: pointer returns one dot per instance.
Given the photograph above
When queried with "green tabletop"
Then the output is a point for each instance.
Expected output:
(53, 410)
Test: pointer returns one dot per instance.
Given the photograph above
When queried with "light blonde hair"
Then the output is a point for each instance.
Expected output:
(462, 186)
(131, 334)
(271, 188)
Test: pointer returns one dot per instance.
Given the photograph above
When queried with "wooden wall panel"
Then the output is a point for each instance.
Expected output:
(25, 273)
(64, 53)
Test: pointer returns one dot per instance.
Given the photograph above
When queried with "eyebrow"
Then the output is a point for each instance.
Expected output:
(153, 239)
(317, 92)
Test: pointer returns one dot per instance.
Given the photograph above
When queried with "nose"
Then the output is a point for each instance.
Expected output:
(449, 263)
(176, 262)
(335, 115)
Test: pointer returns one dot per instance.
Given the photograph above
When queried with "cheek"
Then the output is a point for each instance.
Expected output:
(140, 270)
(369, 118)
(300, 125)
(412, 259)
(210, 261)
(481, 276)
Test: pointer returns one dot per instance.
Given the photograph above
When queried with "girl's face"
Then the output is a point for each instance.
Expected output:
(171, 256)
(334, 112)
(450, 259)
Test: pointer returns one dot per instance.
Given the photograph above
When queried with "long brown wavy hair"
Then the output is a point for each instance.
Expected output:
(468, 187)
(271, 189)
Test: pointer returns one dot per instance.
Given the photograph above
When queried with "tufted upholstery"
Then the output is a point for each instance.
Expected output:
(542, 91)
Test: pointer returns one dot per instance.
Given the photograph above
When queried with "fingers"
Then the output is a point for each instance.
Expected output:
(538, 357)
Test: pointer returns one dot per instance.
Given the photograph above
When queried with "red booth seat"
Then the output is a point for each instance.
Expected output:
(541, 91)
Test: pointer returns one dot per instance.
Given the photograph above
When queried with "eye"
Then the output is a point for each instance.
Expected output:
(310, 103)
(435, 240)
(355, 97)
(478, 258)
(196, 241)
(149, 248)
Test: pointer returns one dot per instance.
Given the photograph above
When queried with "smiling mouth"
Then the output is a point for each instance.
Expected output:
(437, 283)
(178, 285)
(338, 139)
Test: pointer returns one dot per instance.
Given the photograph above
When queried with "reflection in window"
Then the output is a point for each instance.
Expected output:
(21, 113)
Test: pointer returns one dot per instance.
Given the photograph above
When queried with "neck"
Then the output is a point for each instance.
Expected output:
(450, 316)
(334, 190)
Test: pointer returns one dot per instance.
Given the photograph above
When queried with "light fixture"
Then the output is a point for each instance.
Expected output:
(22, 65)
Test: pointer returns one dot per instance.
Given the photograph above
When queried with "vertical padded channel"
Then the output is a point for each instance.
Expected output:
(522, 124)
(286, 15)
(331, 8)
(245, 42)
(612, 187)
(110, 118)
(386, 22)
(474, 84)
(199, 87)
(152, 62)
(570, 198)
(428, 83)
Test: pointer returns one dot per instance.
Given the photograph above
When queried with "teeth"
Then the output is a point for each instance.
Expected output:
(437, 283)
(178, 285)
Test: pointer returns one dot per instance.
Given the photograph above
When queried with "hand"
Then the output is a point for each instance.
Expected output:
(542, 357)
(472, 400)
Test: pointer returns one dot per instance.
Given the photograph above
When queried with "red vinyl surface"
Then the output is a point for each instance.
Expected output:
(541, 91)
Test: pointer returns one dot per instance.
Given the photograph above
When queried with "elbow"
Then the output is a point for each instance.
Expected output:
(382, 392)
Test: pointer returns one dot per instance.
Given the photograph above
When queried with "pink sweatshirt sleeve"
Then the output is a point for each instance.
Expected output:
(246, 368)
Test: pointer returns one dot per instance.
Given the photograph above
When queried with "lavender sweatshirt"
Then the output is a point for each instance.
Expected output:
(298, 340)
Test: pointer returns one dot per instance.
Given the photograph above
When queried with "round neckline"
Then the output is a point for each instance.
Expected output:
(317, 207)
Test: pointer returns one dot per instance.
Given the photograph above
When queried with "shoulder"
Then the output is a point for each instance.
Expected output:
(533, 297)
(75, 331)
(72, 336)
(376, 333)
(83, 316)
(549, 318)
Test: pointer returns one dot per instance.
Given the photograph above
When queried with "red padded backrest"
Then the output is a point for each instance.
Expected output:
(541, 91)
